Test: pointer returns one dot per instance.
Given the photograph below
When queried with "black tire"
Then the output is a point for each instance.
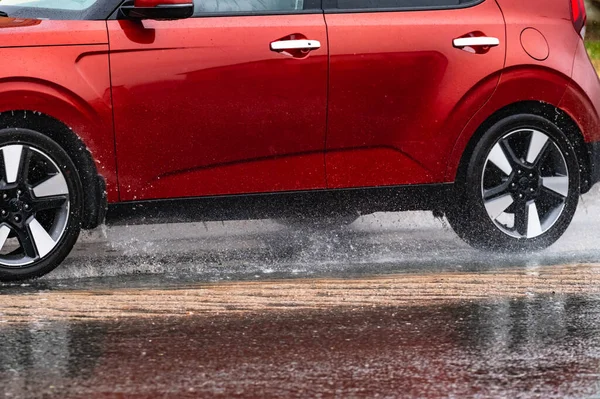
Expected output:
(475, 223)
(40, 206)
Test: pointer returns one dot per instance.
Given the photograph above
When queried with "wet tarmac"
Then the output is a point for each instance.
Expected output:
(543, 346)
(391, 306)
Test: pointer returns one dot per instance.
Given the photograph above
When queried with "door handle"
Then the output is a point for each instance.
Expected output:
(476, 42)
(282, 45)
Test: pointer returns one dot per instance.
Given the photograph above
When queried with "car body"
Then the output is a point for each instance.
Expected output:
(272, 109)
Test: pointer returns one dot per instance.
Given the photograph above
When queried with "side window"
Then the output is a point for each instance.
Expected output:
(395, 4)
(249, 6)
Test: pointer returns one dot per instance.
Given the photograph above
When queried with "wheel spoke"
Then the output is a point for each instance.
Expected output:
(4, 232)
(558, 184)
(497, 206)
(26, 243)
(534, 226)
(552, 216)
(521, 217)
(55, 185)
(549, 196)
(537, 145)
(40, 237)
(16, 162)
(498, 158)
(497, 191)
(45, 203)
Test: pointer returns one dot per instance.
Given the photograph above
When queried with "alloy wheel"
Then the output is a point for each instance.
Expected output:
(525, 183)
(34, 205)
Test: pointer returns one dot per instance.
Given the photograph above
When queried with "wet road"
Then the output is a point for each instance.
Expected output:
(392, 306)
(535, 345)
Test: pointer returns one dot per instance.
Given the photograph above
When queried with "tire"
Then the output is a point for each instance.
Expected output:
(41, 202)
(519, 189)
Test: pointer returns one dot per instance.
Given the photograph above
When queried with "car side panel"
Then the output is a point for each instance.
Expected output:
(396, 84)
(204, 107)
(68, 81)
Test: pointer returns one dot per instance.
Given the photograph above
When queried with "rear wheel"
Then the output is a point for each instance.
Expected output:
(40, 204)
(520, 189)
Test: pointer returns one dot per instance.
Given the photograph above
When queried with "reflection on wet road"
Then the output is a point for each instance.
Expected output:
(391, 306)
(544, 346)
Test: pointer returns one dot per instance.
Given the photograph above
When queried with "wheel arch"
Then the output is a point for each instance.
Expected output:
(531, 89)
(94, 186)
(548, 111)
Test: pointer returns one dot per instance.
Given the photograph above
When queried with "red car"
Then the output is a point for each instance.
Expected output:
(152, 110)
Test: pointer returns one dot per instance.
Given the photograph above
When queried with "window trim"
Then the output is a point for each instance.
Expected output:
(256, 13)
(330, 7)
(318, 4)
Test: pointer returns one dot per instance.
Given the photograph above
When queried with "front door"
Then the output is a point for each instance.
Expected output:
(398, 78)
(230, 101)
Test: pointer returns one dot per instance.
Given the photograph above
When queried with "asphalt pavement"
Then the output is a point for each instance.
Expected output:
(394, 305)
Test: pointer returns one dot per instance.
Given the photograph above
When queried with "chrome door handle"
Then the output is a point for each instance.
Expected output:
(295, 45)
(476, 42)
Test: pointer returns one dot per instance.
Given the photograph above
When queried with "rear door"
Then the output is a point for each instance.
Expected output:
(396, 79)
(230, 101)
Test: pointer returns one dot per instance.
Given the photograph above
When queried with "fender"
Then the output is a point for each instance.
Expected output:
(582, 97)
(522, 83)
(580, 108)
(91, 123)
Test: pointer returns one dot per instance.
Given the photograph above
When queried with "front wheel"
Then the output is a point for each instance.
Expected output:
(40, 204)
(520, 189)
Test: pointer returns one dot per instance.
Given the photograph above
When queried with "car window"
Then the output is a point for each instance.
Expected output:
(67, 5)
(394, 4)
(246, 6)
